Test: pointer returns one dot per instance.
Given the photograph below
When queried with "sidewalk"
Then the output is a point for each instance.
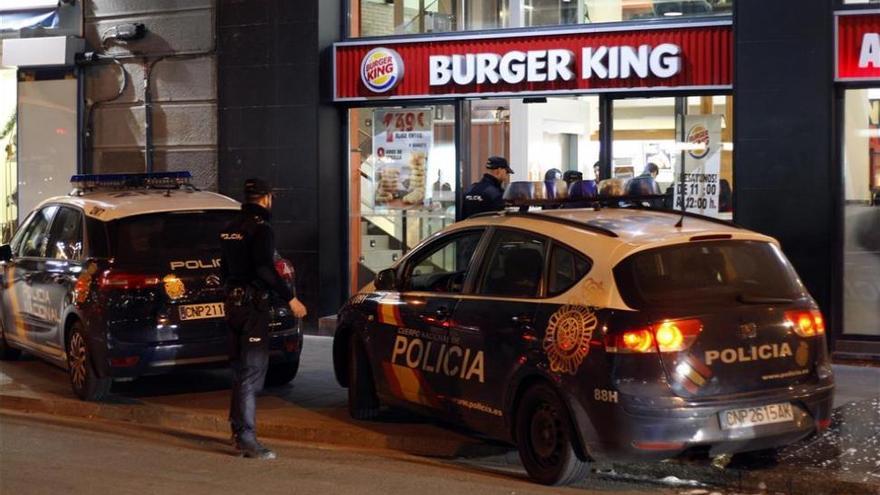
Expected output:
(843, 460)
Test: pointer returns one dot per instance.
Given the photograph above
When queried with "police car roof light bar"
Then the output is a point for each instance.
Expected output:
(161, 180)
(594, 202)
(537, 216)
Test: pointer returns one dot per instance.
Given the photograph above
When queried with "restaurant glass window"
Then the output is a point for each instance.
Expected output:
(395, 17)
(861, 184)
(402, 183)
(537, 136)
(671, 136)
(552, 12)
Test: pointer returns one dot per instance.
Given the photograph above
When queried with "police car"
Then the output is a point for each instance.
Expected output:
(121, 278)
(593, 334)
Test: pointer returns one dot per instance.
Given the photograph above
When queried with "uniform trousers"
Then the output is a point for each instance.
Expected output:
(249, 359)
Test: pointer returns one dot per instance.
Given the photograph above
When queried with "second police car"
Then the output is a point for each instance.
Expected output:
(582, 334)
(122, 278)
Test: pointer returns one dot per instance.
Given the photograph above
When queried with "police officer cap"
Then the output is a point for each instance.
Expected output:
(495, 162)
(256, 187)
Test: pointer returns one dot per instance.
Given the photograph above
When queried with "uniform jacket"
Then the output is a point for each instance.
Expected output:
(485, 195)
(248, 244)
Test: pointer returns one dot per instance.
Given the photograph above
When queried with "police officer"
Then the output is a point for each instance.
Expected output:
(249, 276)
(488, 193)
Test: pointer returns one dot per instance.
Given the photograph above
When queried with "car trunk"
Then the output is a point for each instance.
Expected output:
(170, 264)
(739, 302)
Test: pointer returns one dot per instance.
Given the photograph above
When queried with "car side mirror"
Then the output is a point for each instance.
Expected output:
(386, 279)
(6, 252)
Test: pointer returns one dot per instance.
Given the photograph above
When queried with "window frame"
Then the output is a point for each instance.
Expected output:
(486, 260)
(52, 233)
(517, 24)
(31, 219)
(578, 254)
(431, 247)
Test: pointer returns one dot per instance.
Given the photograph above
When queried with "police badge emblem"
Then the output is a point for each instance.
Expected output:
(173, 286)
(567, 340)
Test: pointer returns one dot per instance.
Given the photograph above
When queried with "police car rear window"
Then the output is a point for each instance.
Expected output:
(706, 273)
(156, 236)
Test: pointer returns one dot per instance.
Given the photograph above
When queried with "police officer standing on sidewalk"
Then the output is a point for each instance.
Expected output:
(488, 193)
(249, 276)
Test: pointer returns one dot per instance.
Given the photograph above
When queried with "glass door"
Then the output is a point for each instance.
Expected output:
(8, 153)
(861, 185)
(402, 183)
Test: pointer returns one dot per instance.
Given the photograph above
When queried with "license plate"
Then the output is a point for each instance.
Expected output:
(754, 416)
(202, 311)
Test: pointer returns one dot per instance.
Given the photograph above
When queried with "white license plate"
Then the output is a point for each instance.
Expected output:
(202, 311)
(753, 416)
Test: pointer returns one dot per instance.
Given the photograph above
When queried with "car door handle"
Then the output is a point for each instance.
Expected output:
(438, 315)
(442, 313)
(522, 320)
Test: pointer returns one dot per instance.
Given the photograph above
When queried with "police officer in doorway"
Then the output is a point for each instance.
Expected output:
(488, 193)
(249, 276)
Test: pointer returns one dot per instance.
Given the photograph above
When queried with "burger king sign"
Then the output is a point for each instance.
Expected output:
(381, 69)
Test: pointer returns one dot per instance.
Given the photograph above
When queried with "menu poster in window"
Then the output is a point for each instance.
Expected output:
(702, 165)
(402, 140)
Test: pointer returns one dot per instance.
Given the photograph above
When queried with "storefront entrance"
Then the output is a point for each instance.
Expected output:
(404, 180)
(861, 226)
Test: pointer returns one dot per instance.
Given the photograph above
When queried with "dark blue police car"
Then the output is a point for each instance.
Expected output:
(121, 278)
(582, 334)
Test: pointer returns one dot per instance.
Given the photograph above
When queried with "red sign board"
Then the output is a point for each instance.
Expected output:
(583, 60)
(858, 46)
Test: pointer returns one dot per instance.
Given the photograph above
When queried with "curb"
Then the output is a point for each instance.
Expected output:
(449, 445)
(787, 481)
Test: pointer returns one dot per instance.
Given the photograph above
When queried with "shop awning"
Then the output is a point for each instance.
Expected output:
(26, 14)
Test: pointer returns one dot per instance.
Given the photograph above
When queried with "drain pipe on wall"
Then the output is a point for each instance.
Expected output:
(148, 113)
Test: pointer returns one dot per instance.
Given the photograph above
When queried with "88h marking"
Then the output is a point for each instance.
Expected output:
(604, 395)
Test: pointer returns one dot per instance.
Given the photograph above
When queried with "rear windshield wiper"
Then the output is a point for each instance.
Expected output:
(753, 299)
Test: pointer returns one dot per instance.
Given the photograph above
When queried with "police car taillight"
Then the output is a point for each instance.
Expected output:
(125, 280)
(665, 336)
(805, 323)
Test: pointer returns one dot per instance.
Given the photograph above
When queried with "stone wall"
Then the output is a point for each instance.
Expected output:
(180, 47)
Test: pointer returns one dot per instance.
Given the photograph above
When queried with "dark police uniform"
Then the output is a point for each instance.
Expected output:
(249, 276)
(487, 194)
(482, 196)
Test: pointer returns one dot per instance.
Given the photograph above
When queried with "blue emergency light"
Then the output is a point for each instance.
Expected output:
(161, 180)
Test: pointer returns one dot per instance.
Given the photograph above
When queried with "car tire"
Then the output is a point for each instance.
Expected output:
(545, 439)
(363, 402)
(86, 383)
(7, 353)
(281, 373)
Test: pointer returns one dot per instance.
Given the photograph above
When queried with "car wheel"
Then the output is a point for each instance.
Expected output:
(86, 383)
(544, 438)
(7, 353)
(281, 373)
(363, 403)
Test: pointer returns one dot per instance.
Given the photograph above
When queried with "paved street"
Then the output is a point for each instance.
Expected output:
(180, 419)
(49, 456)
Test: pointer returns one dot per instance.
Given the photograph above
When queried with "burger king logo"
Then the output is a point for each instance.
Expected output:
(381, 70)
(698, 136)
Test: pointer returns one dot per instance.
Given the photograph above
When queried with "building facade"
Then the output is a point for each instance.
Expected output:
(370, 117)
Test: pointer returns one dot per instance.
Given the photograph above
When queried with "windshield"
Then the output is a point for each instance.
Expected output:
(734, 272)
(160, 235)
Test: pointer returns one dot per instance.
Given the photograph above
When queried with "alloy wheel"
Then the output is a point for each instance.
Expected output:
(77, 360)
